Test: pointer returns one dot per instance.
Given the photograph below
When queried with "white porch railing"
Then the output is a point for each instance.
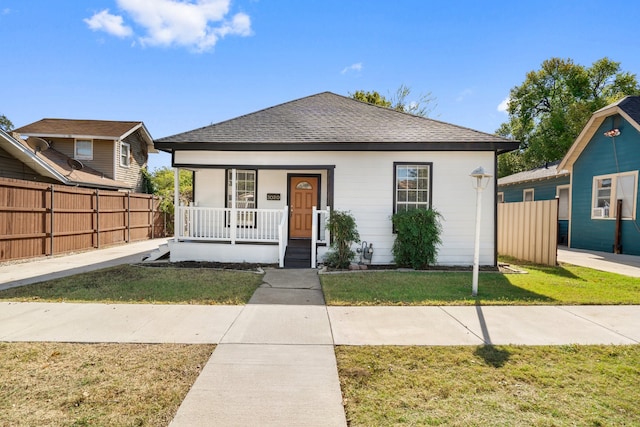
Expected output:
(319, 232)
(226, 224)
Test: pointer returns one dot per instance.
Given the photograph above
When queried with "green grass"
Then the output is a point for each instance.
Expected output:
(496, 386)
(566, 284)
(141, 284)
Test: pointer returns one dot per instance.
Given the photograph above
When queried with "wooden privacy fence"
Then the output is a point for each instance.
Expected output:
(529, 231)
(44, 219)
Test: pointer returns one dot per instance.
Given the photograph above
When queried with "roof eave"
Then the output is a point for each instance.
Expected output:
(30, 159)
(499, 147)
(589, 131)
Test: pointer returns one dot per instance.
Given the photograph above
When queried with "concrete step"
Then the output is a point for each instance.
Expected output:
(156, 254)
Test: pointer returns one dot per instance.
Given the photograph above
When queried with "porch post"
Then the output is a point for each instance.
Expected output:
(234, 213)
(314, 233)
(176, 203)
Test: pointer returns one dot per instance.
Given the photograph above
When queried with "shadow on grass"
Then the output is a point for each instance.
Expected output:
(492, 355)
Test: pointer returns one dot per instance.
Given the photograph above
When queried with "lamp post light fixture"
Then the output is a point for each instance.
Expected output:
(480, 181)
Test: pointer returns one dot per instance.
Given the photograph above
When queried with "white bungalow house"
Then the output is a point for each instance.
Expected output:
(266, 181)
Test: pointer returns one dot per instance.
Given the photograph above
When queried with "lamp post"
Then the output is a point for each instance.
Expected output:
(480, 181)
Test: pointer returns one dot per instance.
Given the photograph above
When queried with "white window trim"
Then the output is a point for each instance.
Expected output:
(525, 192)
(75, 149)
(614, 197)
(125, 144)
(568, 188)
(500, 197)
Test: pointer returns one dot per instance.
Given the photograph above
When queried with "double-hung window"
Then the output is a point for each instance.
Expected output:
(608, 189)
(83, 149)
(125, 154)
(412, 186)
(245, 195)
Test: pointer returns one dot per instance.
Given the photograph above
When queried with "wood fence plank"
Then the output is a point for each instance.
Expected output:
(39, 219)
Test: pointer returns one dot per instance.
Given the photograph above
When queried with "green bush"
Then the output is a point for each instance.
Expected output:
(342, 227)
(417, 239)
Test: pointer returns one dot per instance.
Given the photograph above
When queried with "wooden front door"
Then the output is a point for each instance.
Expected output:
(303, 195)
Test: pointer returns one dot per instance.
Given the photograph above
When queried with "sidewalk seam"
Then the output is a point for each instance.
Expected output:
(561, 307)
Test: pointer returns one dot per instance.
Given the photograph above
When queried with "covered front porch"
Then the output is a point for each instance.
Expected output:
(242, 231)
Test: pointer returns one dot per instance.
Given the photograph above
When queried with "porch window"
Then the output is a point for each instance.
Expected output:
(83, 149)
(412, 186)
(246, 185)
(608, 189)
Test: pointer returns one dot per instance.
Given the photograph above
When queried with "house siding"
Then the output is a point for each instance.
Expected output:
(363, 185)
(102, 153)
(599, 158)
(10, 167)
(543, 189)
(138, 160)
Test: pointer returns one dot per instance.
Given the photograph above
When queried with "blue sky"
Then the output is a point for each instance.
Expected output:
(180, 65)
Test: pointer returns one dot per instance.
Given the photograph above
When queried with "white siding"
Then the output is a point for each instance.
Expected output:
(363, 185)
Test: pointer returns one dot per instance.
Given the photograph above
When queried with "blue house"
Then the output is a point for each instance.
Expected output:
(603, 163)
(543, 183)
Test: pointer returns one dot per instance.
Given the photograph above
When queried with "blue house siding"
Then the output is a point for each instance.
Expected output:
(543, 190)
(603, 156)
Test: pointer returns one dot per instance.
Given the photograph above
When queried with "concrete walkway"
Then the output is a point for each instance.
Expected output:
(628, 265)
(275, 366)
(18, 273)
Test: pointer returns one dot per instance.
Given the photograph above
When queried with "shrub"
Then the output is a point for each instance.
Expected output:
(342, 227)
(417, 239)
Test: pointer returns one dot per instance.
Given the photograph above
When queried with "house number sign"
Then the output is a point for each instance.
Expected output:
(273, 196)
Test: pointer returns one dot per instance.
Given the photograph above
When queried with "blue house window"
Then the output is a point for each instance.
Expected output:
(608, 189)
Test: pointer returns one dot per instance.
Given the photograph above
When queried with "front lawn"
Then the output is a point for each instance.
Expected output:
(63, 384)
(144, 284)
(491, 386)
(566, 284)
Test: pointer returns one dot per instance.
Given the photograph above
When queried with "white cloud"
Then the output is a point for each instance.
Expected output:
(196, 24)
(504, 105)
(464, 94)
(353, 67)
(112, 24)
(6, 11)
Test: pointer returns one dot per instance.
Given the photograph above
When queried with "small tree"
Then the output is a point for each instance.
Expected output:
(417, 239)
(5, 123)
(344, 233)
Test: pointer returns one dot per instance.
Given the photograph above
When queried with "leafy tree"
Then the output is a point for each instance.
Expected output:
(399, 102)
(371, 97)
(5, 123)
(161, 184)
(549, 109)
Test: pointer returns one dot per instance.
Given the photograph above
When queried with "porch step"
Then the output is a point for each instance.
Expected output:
(298, 254)
(156, 254)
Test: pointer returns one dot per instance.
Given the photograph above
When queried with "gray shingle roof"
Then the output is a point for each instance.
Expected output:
(547, 171)
(631, 106)
(326, 120)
